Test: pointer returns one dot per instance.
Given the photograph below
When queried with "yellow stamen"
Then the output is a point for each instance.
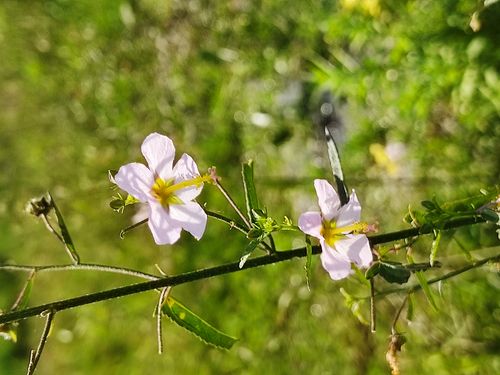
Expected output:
(163, 190)
(331, 233)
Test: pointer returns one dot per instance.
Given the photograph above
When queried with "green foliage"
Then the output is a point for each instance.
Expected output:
(184, 317)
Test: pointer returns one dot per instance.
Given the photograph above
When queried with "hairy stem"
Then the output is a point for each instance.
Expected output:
(414, 288)
(234, 267)
(35, 356)
(80, 266)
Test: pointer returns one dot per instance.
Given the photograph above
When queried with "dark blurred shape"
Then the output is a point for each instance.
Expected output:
(327, 116)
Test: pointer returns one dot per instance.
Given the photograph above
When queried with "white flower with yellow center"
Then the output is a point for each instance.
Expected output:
(168, 190)
(339, 231)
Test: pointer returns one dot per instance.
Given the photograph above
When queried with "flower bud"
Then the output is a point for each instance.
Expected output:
(39, 206)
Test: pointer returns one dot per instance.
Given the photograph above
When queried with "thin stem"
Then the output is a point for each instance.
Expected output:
(35, 357)
(73, 256)
(123, 232)
(230, 268)
(51, 229)
(414, 288)
(164, 294)
(412, 232)
(231, 223)
(373, 311)
(398, 314)
(23, 291)
(81, 266)
(232, 203)
(272, 244)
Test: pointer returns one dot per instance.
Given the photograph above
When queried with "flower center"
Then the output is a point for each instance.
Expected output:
(331, 233)
(164, 190)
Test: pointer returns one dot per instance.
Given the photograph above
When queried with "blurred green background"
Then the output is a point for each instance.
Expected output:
(83, 82)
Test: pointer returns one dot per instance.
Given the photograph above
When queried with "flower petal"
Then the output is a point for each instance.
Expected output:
(136, 179)
(159, 152)
(349, 213)
(164, 229)
(337, 266)
(186, 169)
(357, 249)
(191, 217)
(328, 200)
(310, 223)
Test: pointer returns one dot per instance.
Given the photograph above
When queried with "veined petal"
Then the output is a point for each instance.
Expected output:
(328, 199)
(191, 217)
(349, 213)
(186, 169)
(357, 249)
(164, 229)
(136, 179)
(159, 151)
(310, 223)
(337, 266)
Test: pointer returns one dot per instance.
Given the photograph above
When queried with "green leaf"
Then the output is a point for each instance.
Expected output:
(489, 215)
(434, 247)
(307, 266)
(187, 319)
(394, 272)
(252, 245)
(333, 156)
(251, 200)
(428, 204)
(426, 289)
(372, 271)
(354, 304)
(68, 242)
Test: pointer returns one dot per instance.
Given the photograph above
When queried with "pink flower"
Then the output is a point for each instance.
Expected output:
(168, 190)
(339, 231)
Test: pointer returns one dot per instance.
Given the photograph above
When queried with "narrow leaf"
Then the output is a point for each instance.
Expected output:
(428, 204)
(426, 289)
(252, 245)
(489, 215)
(354, 305)
(187, 319)
(333, 156)
(68, 242)
(434, 248)
(307, 266)
(372, 271)
(394, 272)
(251, 200)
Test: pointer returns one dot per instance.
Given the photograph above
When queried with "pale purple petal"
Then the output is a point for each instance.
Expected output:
(328, 199)
(186, 169)
(191, 217)
(136, 179)
(337, 266)
(164, 229)
(350, 213)
(357, 249)
(311, 224)
(159, 152)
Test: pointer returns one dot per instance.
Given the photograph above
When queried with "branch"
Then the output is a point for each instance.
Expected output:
(35, 356)
(414, 288)
(219, 270)
(80, 266)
